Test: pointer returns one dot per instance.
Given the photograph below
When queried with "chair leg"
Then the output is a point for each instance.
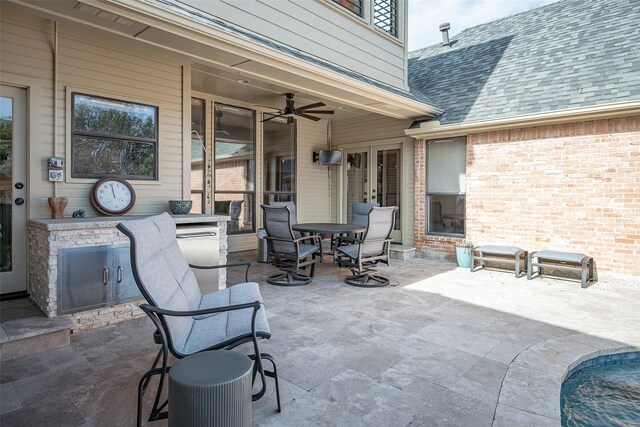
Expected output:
(473, 252)
(157, 410)
(363, 278)
(259, 368)
(583, 276)
(288, 278)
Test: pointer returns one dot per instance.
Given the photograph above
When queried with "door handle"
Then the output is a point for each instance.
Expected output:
(119, 275)
(105, 276)
(19, 201)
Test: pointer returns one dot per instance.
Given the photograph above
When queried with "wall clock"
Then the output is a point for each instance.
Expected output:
(113, 196)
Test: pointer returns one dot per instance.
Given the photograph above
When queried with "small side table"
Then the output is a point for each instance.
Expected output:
(212, 388)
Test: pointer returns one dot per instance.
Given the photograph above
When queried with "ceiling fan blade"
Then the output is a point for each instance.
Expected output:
(315, 105)
(321, 112)
(270, 118)
(306, 116)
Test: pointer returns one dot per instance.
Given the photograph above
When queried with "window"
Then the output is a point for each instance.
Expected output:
(235, 166)
(198, 156)
(385, 16)
(446, 170)
(354, 6)
(279, 160)
(111, 137)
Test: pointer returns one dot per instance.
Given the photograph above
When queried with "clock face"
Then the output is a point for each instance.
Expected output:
(113, 196)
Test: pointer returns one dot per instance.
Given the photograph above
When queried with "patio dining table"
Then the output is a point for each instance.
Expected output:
(328, 228)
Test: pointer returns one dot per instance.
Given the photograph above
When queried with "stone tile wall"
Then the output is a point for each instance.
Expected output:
(569, 187)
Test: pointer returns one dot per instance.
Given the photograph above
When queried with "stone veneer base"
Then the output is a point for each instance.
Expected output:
(47, 237)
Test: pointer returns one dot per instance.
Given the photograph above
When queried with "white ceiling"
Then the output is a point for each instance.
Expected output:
(257, 93)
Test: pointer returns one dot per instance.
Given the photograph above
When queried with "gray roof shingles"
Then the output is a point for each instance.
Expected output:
(569, 54)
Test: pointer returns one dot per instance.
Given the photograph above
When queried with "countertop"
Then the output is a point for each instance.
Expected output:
(112, 221)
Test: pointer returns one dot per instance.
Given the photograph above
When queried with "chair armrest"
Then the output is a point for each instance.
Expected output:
(347, 239)
(237, 264)
(149, 308)
(310, 237)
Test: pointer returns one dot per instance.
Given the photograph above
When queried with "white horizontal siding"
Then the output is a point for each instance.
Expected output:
(319, 29)
(314, 201)
(102, 64)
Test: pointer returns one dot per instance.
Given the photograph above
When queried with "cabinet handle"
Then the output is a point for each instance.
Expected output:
(105, 276)
(119, 274)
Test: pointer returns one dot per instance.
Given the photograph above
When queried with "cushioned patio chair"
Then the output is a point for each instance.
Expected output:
(187, 321)
(362, 255)
(287, 252)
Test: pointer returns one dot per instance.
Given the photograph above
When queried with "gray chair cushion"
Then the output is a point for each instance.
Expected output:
(498, 250)
(561, 256)
(224, 327)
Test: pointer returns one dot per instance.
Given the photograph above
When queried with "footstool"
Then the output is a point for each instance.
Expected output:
(571, 261)
(506, 254)
(212, 388)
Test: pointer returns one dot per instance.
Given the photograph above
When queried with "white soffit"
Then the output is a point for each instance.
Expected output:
(195, 48)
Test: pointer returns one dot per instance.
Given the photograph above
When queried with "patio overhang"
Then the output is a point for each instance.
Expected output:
(432, 128)
(239, 52)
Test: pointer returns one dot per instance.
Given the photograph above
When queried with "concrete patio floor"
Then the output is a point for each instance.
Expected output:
(443, 347)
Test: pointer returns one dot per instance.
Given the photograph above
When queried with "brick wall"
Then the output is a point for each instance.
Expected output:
(571, 187)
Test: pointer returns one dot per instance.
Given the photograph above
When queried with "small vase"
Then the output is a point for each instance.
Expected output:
(463, 257)
(57, 206)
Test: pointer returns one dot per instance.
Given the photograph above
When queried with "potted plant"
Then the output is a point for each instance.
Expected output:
(464, 253)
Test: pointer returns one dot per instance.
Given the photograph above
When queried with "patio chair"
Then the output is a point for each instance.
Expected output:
(235, 208)
(294, 215)
(362, 255)
(187, 321)
(360, 214)
(288, 253)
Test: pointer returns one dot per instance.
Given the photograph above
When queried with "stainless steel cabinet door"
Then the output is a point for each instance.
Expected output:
(85, 275)
(124, 285)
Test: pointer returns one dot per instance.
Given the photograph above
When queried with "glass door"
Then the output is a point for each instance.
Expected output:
(13, 191)
(357, 180)
(388, 183)
(374, 175)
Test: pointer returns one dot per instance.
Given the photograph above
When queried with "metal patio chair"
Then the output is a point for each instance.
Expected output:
(187, 321)
(362, 255)
(360, 214)
(294, 215)
(287, 252)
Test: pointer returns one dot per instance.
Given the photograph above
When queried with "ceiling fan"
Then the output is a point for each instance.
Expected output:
(290, 111)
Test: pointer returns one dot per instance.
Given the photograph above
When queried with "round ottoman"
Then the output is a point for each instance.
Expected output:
(212, 388)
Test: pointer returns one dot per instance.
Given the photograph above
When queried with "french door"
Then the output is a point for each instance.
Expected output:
(374, 175)
(13, 189)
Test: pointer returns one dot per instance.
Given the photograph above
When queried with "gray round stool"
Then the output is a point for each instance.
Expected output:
(212, 388)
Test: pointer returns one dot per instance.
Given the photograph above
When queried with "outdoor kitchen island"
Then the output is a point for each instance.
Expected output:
(92, 256)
